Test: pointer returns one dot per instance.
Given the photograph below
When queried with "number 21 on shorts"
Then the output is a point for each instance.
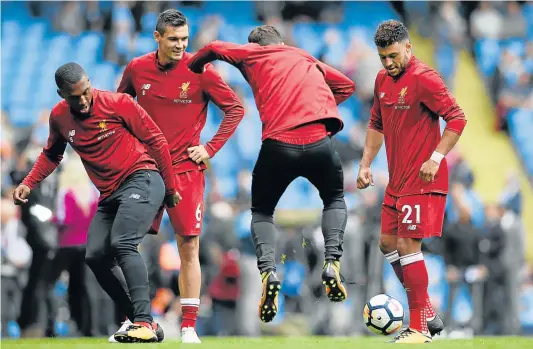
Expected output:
(408, 219)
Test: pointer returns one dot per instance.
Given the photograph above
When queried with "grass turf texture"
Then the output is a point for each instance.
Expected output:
(274, 342)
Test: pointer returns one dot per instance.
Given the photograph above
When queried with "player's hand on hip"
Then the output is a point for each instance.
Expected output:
(364, 178)
(20, 194)
(198, 154)
(172, 200)
(428, 170)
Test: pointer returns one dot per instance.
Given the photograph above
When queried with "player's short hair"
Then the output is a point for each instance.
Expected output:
(265, 35)
(69, 74)
(390, 32)
(170, 17)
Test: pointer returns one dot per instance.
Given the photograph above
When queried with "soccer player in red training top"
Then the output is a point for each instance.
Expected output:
(177, 99)
(409, 98)
(113, 135)
(297, 98)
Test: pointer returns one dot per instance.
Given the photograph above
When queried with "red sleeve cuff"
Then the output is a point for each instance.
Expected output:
(210, 150)
(456, 125)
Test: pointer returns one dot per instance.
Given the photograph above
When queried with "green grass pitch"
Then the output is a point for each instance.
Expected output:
(274, 342)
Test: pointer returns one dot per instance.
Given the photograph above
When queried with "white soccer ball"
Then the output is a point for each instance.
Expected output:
(383, 314)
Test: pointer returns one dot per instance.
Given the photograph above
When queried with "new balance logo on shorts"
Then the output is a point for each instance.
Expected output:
(411, 227)
(135, 196)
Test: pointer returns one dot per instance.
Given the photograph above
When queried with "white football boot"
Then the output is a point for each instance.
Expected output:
(189, 336)
(122, 328)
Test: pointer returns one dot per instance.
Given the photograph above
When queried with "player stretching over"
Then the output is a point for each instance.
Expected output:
(177, 100)
(108, 130)
(297, 98)
(409, 98)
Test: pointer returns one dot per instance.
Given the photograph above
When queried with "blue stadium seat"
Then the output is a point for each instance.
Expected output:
(295, 196)
(15, 10)
(308, 36)
(515, 45)
(103, 76)
(148, 22)
(236, 12)
(528, 14)
(349, 122)
(445, 60)
(487, 53)
(227, 186)
(248, 136)
(335, 50)
(226, 161)
(144, 43)
(93, 47)
(21, 116)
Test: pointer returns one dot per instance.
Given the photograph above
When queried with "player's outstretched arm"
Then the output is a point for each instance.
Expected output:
(226, 99)
(218, 50)
(46, 163)
(341, 85)
(145, 129)
(435, 95)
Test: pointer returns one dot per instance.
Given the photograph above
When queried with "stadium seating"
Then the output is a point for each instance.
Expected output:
(488, 53)
(51, 49)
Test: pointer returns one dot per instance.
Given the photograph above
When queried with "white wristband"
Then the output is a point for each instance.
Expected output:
(437, 157)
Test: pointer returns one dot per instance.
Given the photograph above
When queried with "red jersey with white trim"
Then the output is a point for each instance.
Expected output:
(177, 100)
(115, 140)
(406, 110)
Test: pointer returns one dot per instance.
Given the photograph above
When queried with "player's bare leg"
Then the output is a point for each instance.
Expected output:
(388, 246)
(190, 280)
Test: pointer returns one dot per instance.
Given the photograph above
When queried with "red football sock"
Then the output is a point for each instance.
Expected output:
(430, 312)
(416, 284)
(189, 309)
(394, 260)
(145, 324)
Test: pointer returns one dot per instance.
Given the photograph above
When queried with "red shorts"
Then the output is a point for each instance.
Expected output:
(186, 217)
(413, 216)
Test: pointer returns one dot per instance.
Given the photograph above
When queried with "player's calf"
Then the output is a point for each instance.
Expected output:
(190, 280)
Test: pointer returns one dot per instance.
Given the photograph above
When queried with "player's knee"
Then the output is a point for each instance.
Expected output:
(407, 246)
(188, 247)
(387, 244)
(93, 258)
(335, 202)
(121, 248)
(258, 217)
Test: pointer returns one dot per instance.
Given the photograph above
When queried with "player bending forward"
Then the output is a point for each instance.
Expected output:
(297, 98)
(409, 98)
(108, 130)
(177, 99)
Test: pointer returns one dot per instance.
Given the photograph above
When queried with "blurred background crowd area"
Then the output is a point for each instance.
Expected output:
(481, 272)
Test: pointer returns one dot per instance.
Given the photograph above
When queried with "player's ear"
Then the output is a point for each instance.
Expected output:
(157, 36)
(408, 46)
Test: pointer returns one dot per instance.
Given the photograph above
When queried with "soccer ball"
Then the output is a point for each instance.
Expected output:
(383, 314)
